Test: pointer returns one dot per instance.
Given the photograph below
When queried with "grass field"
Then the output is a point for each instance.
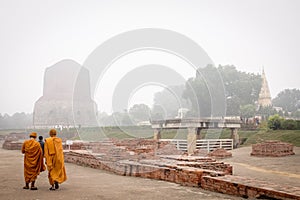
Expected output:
(97, 133)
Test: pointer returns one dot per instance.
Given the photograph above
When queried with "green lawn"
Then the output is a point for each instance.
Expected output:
(291, 136)
(8, 131)
(97, 133)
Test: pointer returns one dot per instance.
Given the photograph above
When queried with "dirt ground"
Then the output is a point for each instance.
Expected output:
(87, 183)
(278, 170)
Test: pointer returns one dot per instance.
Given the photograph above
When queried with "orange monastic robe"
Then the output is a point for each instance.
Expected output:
(33, 160)
(53, 152)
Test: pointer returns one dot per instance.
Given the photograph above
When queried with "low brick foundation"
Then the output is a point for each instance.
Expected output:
(12, 145)
(174, 169)
(249, 188)
(272, 148)
(193, 171)
(162, 161)
(220, 153)
(149, 159)
(14, 141)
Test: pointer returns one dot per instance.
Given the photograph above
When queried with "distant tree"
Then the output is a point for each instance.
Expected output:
(115, 119)
(286, 114)
(245, 86)
(168, 101)
(1, 121)
(16, 121)
(266, 112)
(240, 89)
(158, 113)
(121, 119)
(288, 99)
(280, 113)
(296, 114)
(233, 105)
(289, 124)
(127, 120)
(248, 110)
(103, 118)
(140, 112)
(198, 94)
(206, 93)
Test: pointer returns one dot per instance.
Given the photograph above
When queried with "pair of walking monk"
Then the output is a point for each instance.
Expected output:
(33, 160)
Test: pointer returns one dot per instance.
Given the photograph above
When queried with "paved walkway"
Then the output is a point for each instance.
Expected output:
(87, 183)
(276, 170)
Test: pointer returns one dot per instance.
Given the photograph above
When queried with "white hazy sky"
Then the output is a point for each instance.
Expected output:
(249, 34)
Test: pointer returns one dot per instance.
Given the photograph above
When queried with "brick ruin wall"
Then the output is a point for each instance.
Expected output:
(249, 188)
(12, 145)
(272, 148)
(13, 141)
(143, 158)
(124, 158)
(192, 171)
(172, 169)
(220, 153)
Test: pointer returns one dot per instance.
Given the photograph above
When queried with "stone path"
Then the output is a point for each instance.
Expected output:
(87, 183)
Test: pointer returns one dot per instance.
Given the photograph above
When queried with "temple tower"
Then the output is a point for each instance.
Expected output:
(264, 99)
(66, 99)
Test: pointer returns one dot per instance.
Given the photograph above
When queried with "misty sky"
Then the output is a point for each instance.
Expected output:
(249, 34)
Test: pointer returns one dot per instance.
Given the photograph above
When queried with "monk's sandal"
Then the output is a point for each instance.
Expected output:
(52, 188)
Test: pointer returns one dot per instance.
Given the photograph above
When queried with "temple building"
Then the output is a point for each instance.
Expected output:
(264, 99)
(66, 100)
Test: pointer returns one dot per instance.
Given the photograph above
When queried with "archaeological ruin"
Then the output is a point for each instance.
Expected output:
(272, 148)
(66, 99)
(161, 160)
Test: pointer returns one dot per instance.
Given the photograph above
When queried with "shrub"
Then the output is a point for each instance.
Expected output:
(275, 122)
(298, 124)
(289, 124)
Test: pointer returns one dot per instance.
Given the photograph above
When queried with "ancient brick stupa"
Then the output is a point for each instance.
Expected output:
(66, 99)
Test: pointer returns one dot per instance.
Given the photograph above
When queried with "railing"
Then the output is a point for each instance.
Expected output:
(208, 144)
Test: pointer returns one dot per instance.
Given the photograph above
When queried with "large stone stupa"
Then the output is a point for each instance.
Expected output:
(66, 99)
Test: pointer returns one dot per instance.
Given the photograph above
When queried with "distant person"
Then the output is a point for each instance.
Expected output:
(33, 161)
(41, 143)
(55, 160)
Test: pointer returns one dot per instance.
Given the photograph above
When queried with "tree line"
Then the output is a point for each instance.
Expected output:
(18, 120)
(276, 122)
(238, 90)
(214, 91)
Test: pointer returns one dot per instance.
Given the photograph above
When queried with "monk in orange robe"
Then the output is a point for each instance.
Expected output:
(53, 152)
(33, 161)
